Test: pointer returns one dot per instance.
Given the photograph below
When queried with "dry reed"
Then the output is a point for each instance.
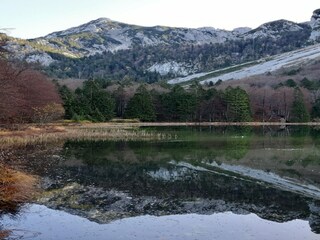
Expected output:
(4, 234)
(32, 135)
(15, 188)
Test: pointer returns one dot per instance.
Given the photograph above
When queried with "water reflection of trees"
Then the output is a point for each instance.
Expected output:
(151, 169)
(130, 167)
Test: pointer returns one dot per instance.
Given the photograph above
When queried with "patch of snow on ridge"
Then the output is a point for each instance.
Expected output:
(43, 58)
(147, 41)
(274, 179)
(170, 67)
(206, 35)
(315, 35)
(259, 175)
(241, 30)
(167, 175)
(315, 25)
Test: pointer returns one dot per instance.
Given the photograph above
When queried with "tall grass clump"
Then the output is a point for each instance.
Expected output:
(15, 188)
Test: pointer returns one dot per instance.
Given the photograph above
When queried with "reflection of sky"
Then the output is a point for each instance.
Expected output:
(38, 222)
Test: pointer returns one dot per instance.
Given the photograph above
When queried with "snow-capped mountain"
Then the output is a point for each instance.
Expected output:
(152, 48)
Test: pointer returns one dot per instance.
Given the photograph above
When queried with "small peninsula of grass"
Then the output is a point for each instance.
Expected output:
(16, 187)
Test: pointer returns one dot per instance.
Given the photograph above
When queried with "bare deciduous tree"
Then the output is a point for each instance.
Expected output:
(21, 91)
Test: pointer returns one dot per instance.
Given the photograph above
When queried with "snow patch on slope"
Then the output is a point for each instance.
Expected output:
(315, 35)
(283, 60)
(315, 25)
(205, 35)
(169, 175)
(275, 180)
(42, 58)
(272, 178)
(170, 67)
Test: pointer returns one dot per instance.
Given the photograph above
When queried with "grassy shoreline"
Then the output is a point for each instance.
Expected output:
(31, 134)
(28, 134)
(159, 124)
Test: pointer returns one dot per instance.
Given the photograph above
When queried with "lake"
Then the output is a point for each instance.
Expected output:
(203, 183)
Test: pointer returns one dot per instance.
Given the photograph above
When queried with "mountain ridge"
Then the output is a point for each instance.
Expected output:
(198, 47)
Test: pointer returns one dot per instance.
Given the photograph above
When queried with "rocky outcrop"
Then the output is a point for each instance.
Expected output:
(315, 25)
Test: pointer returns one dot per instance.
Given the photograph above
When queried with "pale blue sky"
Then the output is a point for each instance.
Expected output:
(34, 18)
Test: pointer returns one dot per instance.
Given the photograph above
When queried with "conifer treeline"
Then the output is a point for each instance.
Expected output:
(233, 104)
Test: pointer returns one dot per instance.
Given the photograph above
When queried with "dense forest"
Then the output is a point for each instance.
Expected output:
(98, 101)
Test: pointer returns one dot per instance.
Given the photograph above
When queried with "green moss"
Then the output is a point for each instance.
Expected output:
(49, 49)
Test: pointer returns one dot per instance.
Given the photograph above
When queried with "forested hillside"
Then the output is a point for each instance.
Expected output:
(136, 64)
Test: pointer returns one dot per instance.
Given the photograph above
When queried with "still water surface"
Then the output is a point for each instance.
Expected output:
(205, 183)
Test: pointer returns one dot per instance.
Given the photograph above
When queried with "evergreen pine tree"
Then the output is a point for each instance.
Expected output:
(141, 106)
(316, 109)
(179, 105)
(299, 112)
(69, 101)
(92, 103)
(238, 105)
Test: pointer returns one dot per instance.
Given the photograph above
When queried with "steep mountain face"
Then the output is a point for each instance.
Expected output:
(106, 35)
(110, 49)
(315, 25)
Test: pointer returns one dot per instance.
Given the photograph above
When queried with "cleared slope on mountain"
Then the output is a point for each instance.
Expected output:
(263, 66)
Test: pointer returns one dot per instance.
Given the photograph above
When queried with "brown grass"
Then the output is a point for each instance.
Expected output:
(4, 234)
(117, 131)
(92, 131)
(15, 188)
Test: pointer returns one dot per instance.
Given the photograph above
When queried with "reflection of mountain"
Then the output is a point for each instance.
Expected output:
(116, 190)
(276, 178)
